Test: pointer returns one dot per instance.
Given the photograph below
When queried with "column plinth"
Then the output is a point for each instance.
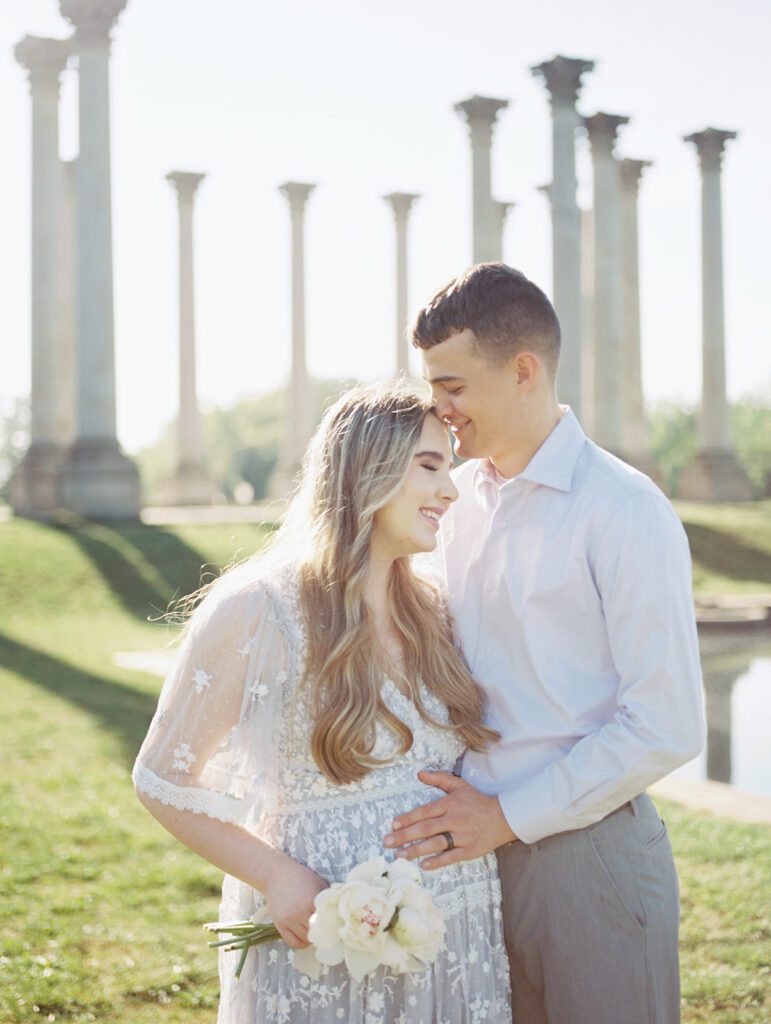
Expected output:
(99, 479)
(562, 76)
(715, 474)
(401, 203)
(298, 419)
(480, 113)
(608, 303)
(190, 483)
(36, 482)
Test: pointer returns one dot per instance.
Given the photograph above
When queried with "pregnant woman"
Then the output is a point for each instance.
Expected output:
(314, 681)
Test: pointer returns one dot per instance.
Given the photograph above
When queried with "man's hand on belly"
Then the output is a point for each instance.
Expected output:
(475, 822)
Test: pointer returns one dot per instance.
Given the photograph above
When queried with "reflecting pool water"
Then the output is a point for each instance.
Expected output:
(737, 683)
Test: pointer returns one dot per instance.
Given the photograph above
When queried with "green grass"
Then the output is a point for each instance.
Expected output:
(731, 546)
(100, 910)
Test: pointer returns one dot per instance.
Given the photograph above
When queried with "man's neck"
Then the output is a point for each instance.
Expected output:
(516, 458)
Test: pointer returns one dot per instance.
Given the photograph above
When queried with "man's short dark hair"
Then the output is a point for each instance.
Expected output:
(507, 313)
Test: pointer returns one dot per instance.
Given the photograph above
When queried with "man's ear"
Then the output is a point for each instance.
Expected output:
(527, 369)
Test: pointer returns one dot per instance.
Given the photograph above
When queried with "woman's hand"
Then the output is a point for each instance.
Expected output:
(289, 896)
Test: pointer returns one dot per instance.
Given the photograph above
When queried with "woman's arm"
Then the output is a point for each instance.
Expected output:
(207, 767)
(288, 886)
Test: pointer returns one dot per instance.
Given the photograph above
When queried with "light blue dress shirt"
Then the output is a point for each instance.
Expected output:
(570, 587)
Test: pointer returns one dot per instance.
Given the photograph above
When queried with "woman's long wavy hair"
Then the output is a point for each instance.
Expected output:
(356, 463)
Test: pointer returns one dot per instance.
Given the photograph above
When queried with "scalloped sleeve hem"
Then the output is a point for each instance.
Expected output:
(200, 801)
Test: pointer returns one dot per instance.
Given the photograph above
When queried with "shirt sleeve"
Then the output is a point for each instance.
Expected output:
(209, 748)
(642, 570)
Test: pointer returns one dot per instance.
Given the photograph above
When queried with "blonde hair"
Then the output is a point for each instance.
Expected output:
(356, 463)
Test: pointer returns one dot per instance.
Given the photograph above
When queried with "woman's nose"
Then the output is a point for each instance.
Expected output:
(449, 492)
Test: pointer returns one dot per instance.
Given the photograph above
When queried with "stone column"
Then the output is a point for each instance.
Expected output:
(608, 307)
(715, 474)
(480, 113)
(587, 320)
(99, 480)
(298, 422)
(190, 484)
(634, 429)
(35, 485)
(562, 77)
(69, 262)
(400, 203)
(501, 210)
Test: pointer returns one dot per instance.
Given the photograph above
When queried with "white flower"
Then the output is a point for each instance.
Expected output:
(183, 757)
(248, 646)
(419, 926)
(259, 690)
(201, 679)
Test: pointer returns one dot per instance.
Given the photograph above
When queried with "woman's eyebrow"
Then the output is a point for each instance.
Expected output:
(430, 455)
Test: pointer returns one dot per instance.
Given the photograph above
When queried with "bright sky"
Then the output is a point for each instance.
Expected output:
(358, 97)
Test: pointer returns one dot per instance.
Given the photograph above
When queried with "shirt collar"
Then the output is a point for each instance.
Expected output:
(554, 462)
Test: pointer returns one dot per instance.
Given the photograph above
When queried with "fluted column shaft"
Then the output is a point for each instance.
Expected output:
(608, 308)
(400, 203)
(299, 413)
(94, 303)
(45, 59)
(562, 77)
(714, 431)
(480, 113)
(100, 480)
(587, 319)
(634, 432)
(190, 437)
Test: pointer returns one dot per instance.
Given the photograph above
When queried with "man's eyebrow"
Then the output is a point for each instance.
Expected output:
(430, 455)
(441, 380)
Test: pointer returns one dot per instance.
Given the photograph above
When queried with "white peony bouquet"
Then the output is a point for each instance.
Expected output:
(380, 914)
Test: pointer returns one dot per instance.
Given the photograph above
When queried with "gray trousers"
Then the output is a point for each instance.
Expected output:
(591, 920)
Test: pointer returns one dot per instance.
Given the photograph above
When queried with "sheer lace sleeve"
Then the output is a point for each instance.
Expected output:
(211, 744)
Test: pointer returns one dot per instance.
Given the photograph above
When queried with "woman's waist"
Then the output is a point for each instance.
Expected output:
(303, 789)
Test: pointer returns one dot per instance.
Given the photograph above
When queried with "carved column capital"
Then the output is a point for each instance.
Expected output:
(631, 172)
(480, 113)
(185, 183)
(44, 59)
(602, 129)
(562, 77)
(709, 144)
(401, 203)
(297, 193)
(93, 19)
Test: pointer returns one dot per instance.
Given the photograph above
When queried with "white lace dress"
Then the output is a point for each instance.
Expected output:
(230, 739)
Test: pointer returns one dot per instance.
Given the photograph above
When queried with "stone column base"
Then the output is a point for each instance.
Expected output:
(100, 482)
(190, 485)
(35, 487)
(644, 462)
(715, 476)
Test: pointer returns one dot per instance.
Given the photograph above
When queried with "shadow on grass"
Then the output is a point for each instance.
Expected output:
(723, 554)
(121, 710)
(146, 567)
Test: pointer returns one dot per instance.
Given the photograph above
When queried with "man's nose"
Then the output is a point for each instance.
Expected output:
(442, 407)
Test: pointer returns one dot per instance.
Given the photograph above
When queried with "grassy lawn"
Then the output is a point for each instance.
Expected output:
(100, 909)
(731, 546)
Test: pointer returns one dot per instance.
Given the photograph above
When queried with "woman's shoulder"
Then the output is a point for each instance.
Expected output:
(247, 593)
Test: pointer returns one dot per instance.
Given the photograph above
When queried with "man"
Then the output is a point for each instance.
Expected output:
(569, 581)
